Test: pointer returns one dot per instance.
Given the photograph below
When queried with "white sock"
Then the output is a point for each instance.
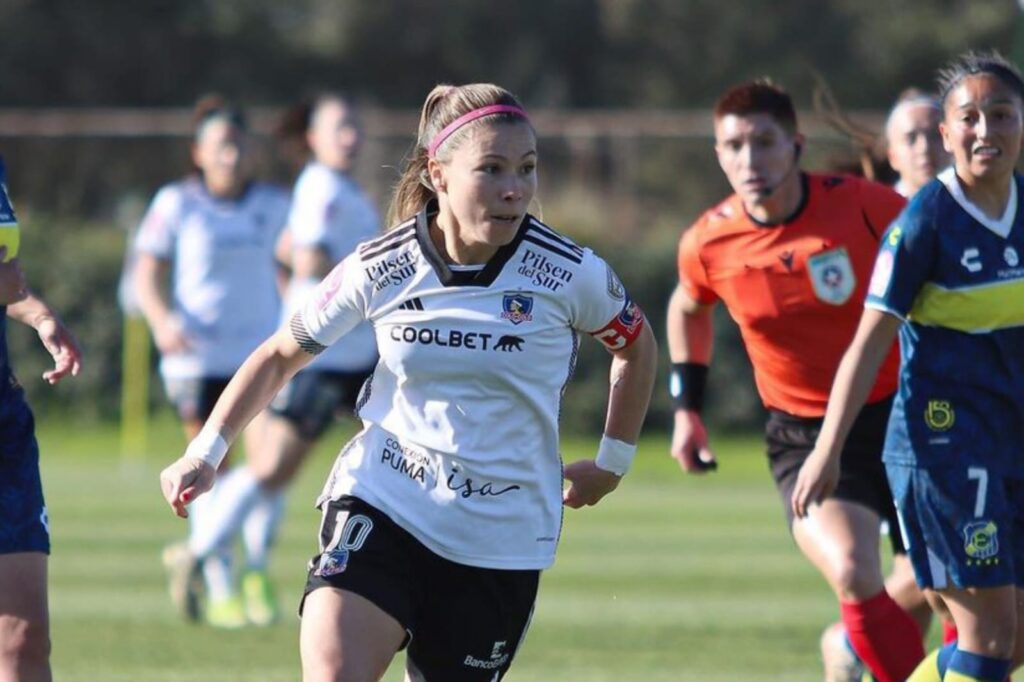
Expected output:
(260, 528)
(237, 491)
(217, 573)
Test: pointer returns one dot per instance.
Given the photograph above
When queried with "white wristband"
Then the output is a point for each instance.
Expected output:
(615, 455)
(209, 446)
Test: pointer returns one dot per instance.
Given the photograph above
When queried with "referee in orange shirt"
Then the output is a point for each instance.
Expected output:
(790, 255)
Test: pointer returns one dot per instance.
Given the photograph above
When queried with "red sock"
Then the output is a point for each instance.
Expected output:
(884, 636)
(948, 631)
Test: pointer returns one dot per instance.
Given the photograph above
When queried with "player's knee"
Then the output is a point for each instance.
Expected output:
(854, 580)
(270, 474)
(24, 645)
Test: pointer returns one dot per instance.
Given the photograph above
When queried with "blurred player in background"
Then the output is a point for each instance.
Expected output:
(790, 254)
(24, 525)
(914, 152)
(206, 281)
(949, 281)
(913, 142)
(440, 514)
(329, 216)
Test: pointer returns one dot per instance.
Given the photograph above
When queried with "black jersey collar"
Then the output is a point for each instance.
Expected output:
(477, 278)
(805, 187)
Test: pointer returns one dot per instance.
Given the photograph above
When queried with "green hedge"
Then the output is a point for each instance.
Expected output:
(76, 266)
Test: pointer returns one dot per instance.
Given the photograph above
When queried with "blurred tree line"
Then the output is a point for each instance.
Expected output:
(553, 53)
(79, 197)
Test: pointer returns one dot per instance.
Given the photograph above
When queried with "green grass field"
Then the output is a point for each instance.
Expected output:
(670, 578)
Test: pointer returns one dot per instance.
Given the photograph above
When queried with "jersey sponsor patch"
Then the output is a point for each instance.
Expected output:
(329, 287)
(622, 331)
(832, 276)
(615, 288)
(882, 274)
(939, 415)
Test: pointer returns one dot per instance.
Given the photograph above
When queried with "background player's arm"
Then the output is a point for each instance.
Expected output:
(151, 280)
(690, 336)
(631, 382)
(55, 337)
(257, 381)
(12, 279)
(854, 378)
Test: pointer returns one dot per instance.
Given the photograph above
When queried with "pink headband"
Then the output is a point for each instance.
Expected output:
(467, 118)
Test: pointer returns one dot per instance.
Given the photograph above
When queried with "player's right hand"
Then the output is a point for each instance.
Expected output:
(184, 481)
(818, 478)
(690, 443)
(170, 337)
(12, 280)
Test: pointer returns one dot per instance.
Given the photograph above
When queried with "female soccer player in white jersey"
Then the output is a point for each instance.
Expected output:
(206, 280)
(329, 216)
(440, 514)
(949, 280)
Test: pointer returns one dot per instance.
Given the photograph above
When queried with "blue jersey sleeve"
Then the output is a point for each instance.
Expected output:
(904, 263)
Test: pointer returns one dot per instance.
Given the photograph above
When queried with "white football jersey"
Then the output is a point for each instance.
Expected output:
(223, 271)
(330, 212)
(460, 439)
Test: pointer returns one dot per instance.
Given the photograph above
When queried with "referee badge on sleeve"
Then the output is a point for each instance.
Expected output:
(832, 276)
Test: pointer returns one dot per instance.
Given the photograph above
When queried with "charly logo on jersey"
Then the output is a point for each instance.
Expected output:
(981, 542)
(1011, 257)
(542, 271)
(939, 415)
(971, 259)
(517, 307)
(832, 276)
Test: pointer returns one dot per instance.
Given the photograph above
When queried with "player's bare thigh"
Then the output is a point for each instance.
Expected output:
(346, 638)
(841, 539)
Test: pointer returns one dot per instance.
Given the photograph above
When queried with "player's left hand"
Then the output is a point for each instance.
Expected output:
(588, 483)
(817, 479)
(62, 346)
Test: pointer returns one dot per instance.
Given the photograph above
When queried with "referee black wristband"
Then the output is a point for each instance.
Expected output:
(686, 384)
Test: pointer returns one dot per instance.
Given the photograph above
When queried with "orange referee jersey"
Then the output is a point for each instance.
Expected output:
(795, 289)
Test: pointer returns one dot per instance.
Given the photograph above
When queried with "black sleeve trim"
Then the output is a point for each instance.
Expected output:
(302, 337)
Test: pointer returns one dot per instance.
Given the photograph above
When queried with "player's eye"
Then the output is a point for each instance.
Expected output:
(528, 168)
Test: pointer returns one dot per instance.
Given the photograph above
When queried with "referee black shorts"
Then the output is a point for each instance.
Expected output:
(464, 624)
(862, 477)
